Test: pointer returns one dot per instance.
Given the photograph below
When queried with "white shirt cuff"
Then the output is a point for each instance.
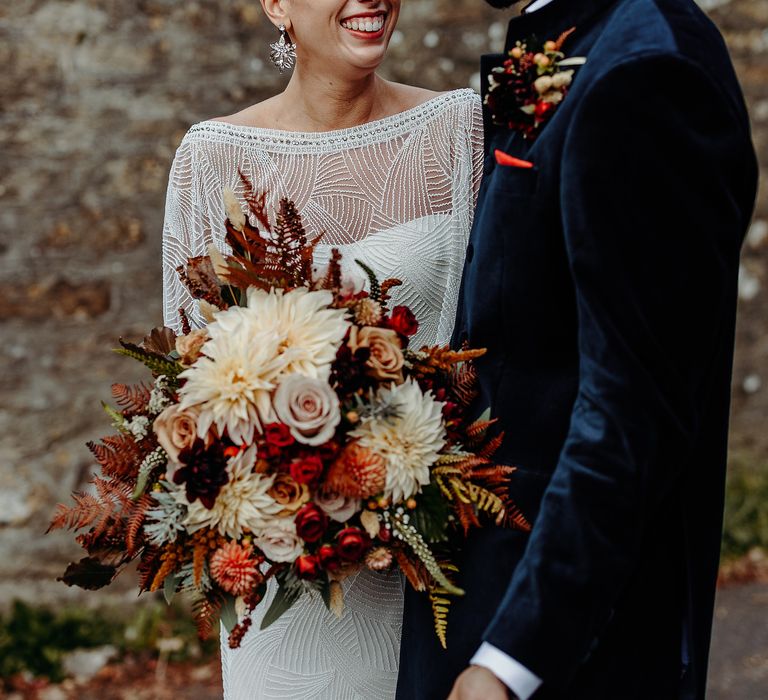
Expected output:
(536, 6)
(513, 674)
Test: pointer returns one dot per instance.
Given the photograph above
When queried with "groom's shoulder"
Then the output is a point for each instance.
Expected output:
(672, 28)
(676, 31)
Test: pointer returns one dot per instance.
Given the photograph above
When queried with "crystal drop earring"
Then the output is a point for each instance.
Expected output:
(283, 51)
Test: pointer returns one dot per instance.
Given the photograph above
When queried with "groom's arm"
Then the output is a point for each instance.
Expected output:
(655, 179)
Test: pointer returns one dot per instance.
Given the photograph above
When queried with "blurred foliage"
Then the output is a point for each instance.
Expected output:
(746, 508)
(35, 640)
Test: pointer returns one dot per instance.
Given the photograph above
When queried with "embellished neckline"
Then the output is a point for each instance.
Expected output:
(363, 134)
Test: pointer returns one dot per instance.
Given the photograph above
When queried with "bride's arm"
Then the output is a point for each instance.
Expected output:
(478, 149)
(185, 230)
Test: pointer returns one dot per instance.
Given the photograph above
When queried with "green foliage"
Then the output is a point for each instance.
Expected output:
(159, 364)
(35, 640)
(746, 508)
(431, 517)
(375, 287)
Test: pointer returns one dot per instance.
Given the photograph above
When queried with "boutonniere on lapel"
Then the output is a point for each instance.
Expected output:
(525, 92)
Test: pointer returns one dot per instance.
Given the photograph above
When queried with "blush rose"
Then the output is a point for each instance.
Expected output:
(309, 407)
(386, 358)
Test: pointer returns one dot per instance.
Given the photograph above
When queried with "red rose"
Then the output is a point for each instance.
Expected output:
(307, 470)
(278, 435)
(403, 321)
(311, 523)
(353, 543)
(329, 557)
(307, 566)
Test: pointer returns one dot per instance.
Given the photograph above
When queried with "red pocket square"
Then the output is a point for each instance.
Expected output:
(506, 159)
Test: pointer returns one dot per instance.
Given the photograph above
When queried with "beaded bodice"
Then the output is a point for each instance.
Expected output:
(398, 191)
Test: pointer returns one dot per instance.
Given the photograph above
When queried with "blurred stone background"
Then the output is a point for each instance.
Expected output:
(94, 97)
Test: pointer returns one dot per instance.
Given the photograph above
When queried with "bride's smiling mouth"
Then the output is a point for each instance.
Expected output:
(366, 25)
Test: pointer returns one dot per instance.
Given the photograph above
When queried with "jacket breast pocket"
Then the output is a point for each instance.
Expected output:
(515, 181)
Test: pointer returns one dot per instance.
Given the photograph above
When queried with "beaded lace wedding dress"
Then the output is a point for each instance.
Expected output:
(397, 193)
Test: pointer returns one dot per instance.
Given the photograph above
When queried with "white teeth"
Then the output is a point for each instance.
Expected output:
(364, 24)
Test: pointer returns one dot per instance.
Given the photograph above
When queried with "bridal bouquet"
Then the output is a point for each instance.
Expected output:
(296, 437)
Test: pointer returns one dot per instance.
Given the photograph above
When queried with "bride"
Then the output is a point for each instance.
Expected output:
(388, 174)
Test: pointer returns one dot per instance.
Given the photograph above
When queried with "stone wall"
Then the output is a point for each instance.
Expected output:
(96, 95)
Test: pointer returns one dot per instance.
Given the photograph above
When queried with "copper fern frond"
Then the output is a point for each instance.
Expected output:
(118, 456)
(206, 611)
(414, 571)
(131, 399)
(257, 203)
(135, 520)
(86, 510)
(463, 384)
(441, 606)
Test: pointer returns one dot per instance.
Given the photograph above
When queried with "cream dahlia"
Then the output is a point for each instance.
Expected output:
(410, 443)
(233, 381)
(243, 504)
(309, 331)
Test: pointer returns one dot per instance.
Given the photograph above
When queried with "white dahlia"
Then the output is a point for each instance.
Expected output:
(243, 504)
(233, 380)
(310, 332)
(410, 443)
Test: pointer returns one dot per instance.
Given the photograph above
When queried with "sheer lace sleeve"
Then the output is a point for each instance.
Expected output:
(467, 171)
(187, 229)
(476, 136)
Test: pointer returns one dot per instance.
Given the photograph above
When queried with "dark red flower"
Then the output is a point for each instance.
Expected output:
(278, 435)
(353, 543)
(204, 472)
(307, 470)
(385, 535)
(311, 523)
(543, 108)
(307, 566)
(329, 557)
(403, 321)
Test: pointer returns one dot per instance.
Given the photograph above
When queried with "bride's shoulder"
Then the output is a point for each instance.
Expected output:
(411, 96)
(262, 114)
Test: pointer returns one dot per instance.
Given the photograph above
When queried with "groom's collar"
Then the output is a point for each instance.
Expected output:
(553, 19)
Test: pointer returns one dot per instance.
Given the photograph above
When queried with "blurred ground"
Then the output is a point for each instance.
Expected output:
(739, 667)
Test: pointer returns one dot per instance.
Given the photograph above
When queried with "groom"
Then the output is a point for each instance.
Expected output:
(601, 275)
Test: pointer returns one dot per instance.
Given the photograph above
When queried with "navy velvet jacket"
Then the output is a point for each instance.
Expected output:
(603, 283)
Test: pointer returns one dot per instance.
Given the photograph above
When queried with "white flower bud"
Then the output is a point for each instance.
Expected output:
(543, 84)
(561, 80)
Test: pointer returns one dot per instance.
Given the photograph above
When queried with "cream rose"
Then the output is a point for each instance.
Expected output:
(309, 407)
(288, 493)
(176, 429)
(386, 360)
(336, 507)
(279, 540)
(189, 346)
